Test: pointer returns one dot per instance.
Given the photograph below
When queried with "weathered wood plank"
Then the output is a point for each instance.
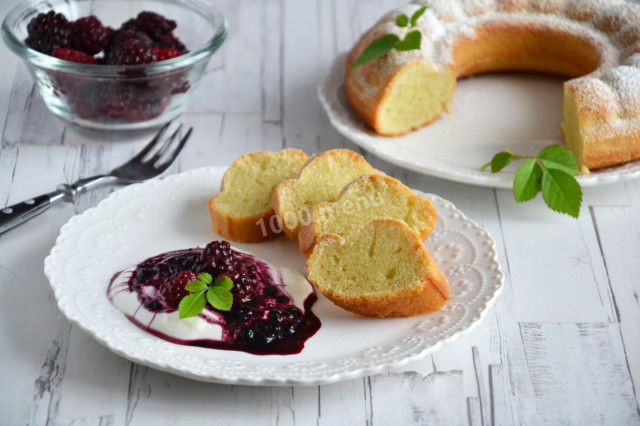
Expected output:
(32, 359)
(501, 398)
(22, 91)
(619, 239)
(95, 382)
(473, 411)
(28, 119)
(8, 163)
(205, 147)
(409, 398)
(271, 57)
(46, 392)
(81, 352)
(579, 373)
(556, 263)
(341, 403)
(498, 338)
(307, 54)
(234, 84)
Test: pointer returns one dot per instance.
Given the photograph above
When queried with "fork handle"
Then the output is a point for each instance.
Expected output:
(14, 215)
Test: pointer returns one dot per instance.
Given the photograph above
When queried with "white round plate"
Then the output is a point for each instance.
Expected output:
(146, 219)
(490, 113)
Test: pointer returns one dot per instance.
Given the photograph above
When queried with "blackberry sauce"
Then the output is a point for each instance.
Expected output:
(263, 319)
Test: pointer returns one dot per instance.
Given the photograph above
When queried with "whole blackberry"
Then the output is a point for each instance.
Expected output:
(169, 41)
(121, 36)
(47, 32)
(154, 25)
(173, 288)
(131, 52)
(88, 35)
(217, 259)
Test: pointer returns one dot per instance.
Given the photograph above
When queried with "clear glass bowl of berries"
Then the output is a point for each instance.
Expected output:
(115, 65)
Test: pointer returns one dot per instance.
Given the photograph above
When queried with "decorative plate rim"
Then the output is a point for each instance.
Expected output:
(344, 120)
(51, 270)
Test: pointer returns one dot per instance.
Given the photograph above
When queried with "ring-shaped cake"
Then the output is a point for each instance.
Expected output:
(594, 42)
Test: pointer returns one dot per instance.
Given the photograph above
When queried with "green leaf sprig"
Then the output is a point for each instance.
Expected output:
(552, 171)
(387, 42)
(204, 290)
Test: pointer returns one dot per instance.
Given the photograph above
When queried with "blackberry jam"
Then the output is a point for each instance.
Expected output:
(271, 312)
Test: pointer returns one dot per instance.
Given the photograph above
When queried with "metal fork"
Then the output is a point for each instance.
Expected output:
(145, 165)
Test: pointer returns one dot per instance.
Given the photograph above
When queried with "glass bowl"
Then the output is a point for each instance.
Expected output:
(119, 97)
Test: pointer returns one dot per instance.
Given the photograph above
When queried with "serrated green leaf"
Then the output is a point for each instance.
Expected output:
(191, 305)
(402, 20)
(411, 41)
(500, 161)
(224, 282)
(195, 286)
(220, 298)
(417, 14)
(527, 182)
(561, 192)
(205, 277)
(377, 48)
(559, 158)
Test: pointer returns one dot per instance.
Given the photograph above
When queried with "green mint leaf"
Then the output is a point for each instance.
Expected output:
(402, 20)
(377, 48)
(528, 181)
(558, 158)
(195, 286)
(191, 305)
(224, 282)
(561, 192)
(500, 161)
(411, 41)
(220, 298)
(205, 277)
(418, 13)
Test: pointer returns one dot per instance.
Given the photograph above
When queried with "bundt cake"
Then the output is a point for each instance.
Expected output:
(594, 42)
(320, 179)
(367, 198)
(381, 270)
(242, 210)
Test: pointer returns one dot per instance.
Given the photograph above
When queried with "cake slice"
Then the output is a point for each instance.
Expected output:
(367, 198)
(242, 211)
(381, 270)
(321, 179)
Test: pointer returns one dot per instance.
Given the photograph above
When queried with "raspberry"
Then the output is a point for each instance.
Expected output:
(166, 53)
(217, 259)
(73, 56)
(154, 25)
(131, 52)
(173, 288)
(47, 32)
(89, 35)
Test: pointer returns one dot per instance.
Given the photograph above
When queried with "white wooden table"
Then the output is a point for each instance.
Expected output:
(560, 346)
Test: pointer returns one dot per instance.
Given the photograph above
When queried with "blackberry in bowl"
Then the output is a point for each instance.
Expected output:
(115, 65)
